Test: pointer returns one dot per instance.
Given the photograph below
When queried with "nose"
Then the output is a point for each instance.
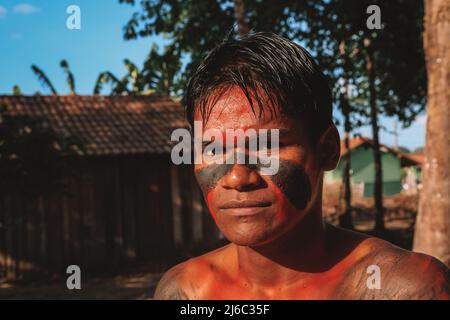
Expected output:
(241, 178)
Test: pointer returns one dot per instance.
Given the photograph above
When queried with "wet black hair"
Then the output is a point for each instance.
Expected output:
(268, 68)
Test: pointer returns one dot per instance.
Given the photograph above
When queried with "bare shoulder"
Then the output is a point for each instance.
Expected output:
(169, 287)
(186, 280)
(405, 274)
(402, 274)
(432, 278)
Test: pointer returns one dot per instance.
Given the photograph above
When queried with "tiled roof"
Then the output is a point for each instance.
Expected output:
(412, 159)
(353, 144)
(106, 125)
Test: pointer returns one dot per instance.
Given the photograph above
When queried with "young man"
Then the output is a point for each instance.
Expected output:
(280, 247)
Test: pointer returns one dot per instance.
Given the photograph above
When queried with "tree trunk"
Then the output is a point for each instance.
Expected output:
(378, 188)
(346, 218)
(241, 19)
(432, 234)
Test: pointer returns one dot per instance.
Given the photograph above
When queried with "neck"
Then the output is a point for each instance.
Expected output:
(293, 256)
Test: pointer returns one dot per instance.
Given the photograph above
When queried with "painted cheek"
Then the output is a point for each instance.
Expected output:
(209, 204)
(208, 178)
(294, 184)
(281, 200)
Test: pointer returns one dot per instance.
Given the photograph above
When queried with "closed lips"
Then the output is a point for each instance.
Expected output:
(233, 204)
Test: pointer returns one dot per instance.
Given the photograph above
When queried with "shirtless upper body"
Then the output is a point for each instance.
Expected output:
(404, 275)
(280, 248)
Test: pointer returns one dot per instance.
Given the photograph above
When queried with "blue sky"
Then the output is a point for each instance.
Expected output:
(35, 32)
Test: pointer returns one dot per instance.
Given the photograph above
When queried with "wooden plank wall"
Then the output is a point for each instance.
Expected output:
(111, 214)
(195, 231)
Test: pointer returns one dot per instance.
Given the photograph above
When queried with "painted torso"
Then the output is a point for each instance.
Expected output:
(404, 275)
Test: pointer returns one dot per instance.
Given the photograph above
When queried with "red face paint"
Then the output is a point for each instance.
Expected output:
(281, 201)
(209, 200)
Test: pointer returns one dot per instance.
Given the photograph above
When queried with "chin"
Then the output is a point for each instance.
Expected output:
(259, 230)
(248, 233)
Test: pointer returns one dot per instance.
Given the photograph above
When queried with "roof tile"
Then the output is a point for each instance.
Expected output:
(106, 125)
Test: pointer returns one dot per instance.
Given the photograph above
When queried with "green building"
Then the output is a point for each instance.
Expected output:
(363, 167)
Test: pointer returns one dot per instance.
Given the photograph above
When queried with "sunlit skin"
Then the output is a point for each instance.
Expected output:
(280, 247)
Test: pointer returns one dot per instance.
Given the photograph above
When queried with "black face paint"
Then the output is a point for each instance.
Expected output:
(209, 176)
(291, 179)
(294, 183)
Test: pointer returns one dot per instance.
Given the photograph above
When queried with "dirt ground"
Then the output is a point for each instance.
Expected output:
(399, 219)
(122, 287)
(399, 214)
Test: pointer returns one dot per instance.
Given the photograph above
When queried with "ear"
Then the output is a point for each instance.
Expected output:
(330, 148)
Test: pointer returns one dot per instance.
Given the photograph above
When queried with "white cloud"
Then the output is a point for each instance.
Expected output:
(25, 9)
(2, 12)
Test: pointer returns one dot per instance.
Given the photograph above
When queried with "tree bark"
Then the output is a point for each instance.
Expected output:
(346, 219)
(378, 188)
(241, 19)
(432, 234)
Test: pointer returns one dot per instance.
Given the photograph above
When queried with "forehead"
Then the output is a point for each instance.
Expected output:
(232, 110)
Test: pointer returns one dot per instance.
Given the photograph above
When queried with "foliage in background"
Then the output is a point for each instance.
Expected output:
(157, 75)
(372, 72)
(191, 27)
(194, 27)
(45, 81)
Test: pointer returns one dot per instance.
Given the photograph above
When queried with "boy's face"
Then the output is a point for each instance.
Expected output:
(250, 208)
